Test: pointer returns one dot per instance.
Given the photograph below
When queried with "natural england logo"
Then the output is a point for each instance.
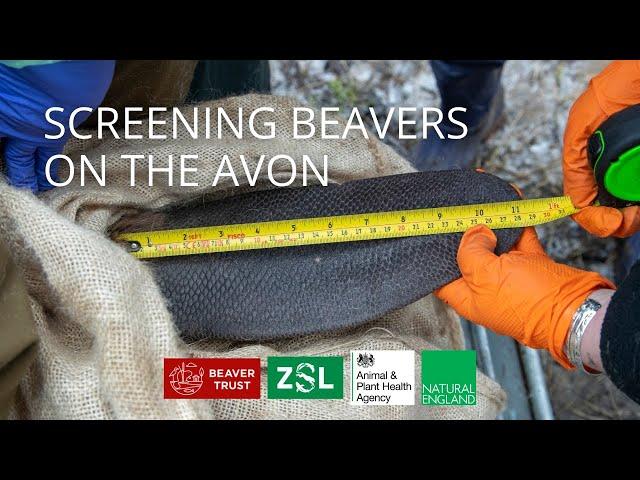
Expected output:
(449, 377)
(305, 377)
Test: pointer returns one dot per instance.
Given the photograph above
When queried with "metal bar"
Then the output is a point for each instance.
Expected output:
(500, 359)
(536, 381)
(481, 342)
(484, 350)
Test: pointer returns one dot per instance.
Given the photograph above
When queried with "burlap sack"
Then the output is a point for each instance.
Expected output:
(146, 83)
(103, 326)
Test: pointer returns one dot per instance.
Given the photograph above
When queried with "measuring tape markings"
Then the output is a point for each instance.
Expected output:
(346, 228)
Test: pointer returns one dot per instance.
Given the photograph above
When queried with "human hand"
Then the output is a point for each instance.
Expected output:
(615, 88)
(27, 90)
(523, 293)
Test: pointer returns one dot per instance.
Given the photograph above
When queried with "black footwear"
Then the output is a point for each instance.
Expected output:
(435, 153)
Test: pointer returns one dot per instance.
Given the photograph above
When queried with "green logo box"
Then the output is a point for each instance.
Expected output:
(305, 377)
(448, 377)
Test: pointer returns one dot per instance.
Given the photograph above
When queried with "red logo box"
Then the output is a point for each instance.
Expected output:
(211, 378)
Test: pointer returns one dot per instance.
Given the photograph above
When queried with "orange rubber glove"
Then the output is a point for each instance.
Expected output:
(523, 293)
(616, 87)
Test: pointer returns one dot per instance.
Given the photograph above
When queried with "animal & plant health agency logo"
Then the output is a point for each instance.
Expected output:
(448, 377)
(305, 377)
(383, 377)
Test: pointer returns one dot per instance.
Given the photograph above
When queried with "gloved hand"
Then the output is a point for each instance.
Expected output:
(615, 88)
(27, 90)
(523, 293)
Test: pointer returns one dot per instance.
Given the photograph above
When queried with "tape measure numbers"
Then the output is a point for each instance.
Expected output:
(345, 228)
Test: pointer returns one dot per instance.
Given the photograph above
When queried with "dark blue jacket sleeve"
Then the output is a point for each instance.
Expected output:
(620, 336)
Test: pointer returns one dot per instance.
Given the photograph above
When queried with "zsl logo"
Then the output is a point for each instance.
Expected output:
(305, 377)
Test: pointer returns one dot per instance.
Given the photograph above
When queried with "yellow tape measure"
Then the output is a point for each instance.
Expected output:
(346, 228)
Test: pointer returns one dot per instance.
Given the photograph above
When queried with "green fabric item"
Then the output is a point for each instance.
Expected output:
(27, 63)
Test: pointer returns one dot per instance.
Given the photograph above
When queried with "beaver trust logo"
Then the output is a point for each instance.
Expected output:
(186, 379)
(190, 378)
